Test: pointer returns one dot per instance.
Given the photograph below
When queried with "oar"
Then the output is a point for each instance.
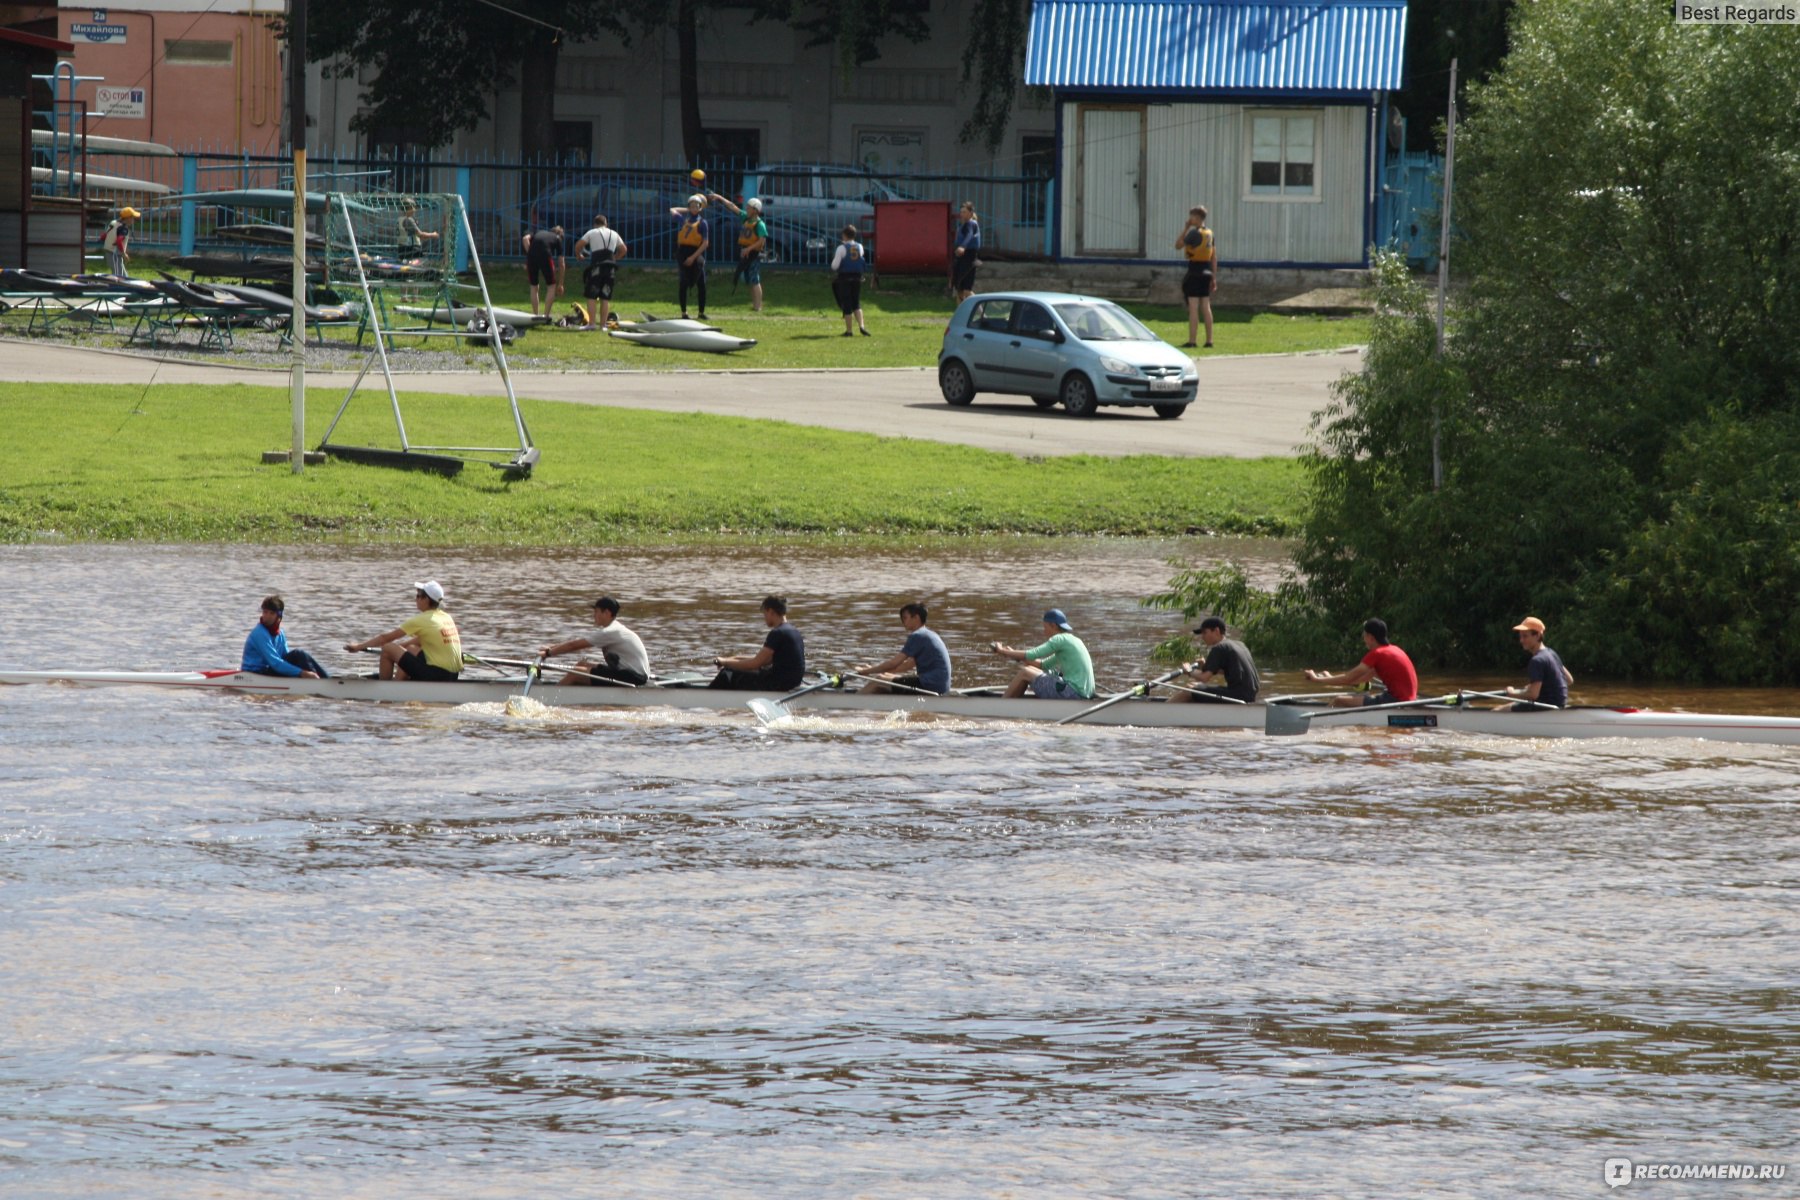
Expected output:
(514, 704)
(770, 711)
(1512, 699)
(1283, 720)
(1193, 691)
(898, 687)
(1142, 689)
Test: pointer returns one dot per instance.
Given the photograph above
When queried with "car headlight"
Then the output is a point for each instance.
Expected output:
(1118, 366)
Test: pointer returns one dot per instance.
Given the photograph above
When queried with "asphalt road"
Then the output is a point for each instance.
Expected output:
(1249, 406)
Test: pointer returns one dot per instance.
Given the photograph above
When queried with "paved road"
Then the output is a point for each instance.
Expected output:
(1249, 406)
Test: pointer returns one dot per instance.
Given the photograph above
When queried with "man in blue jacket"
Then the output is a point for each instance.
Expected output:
(266, 650)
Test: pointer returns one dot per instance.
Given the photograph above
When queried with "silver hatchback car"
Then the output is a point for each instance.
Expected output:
(1079, 351)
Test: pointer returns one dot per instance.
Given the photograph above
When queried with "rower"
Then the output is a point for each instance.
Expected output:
(425, 647)
(1384, 661)
(266, 650)
(1548, 680)
(622, 655)
(922, 664)
(778, 667)
(1067, 671)
(1225, 657)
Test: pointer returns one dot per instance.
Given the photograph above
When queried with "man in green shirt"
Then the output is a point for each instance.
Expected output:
(1059, 669)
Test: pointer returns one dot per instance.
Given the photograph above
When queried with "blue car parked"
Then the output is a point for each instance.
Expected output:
(1057, 348)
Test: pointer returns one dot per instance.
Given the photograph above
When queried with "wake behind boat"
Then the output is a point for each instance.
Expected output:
(1573, 722)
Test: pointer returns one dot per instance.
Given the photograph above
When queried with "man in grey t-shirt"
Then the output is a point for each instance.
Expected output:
(923, 664)
(622, 655)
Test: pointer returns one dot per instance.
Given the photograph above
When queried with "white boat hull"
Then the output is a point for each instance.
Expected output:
(462, 314)
(1578, 722)
(704, 340)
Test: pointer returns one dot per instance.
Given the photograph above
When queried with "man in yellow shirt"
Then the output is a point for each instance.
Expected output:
(426, 647)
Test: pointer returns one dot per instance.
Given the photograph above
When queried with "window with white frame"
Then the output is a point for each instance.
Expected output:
(1284, 155)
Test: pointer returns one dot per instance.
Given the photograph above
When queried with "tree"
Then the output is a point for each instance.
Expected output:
(436, 67)
(1619, 403)
(469, 49)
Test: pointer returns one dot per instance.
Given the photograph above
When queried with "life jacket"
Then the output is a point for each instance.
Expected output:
(690, 235)
(1202, 250)
(114, 233)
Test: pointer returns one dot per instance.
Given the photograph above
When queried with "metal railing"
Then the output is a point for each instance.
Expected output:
(805, 203)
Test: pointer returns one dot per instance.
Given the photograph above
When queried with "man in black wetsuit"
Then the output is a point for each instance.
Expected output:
(544, 263)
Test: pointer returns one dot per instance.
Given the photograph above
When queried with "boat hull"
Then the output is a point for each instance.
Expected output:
(1578, 722)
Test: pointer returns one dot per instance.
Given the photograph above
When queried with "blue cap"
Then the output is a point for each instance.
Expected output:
(1055, 617)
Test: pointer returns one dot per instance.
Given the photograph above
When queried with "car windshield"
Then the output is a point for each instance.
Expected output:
(1098, 321)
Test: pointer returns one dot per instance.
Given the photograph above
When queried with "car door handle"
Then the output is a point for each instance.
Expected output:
(1015, 345)
(968, 337)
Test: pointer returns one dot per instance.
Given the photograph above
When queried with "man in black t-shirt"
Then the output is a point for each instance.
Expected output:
(1225, 657)
(544, 262)
(778, 667)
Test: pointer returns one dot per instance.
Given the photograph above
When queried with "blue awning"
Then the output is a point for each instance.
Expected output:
(1309, 46)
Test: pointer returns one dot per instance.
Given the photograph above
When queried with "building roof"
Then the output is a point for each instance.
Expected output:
(36, 41)
(1313, 46)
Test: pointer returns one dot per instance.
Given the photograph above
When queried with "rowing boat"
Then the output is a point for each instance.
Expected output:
(1575, 722)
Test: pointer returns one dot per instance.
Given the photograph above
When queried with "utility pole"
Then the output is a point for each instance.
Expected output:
(1437, 416)
(296, 29)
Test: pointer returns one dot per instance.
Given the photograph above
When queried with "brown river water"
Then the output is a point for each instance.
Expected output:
(297, 948)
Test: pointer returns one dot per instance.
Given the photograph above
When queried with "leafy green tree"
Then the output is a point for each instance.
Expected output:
(434, 68)
(1618, 407)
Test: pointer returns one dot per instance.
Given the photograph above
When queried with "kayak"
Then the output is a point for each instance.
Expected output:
(706, 341)
(462, 314)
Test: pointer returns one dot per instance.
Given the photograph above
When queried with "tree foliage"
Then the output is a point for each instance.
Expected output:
(1619, 404)
(434, 69)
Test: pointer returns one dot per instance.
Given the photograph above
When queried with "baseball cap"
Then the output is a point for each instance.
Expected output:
(753, 204)
(129, 213)
(1055, 617)
(431, 588)
(1529, 623)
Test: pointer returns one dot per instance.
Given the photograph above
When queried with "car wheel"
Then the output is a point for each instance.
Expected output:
(771, 252)
(1044, 401)
(955, 383)
(1170, 412)
(1078, 395)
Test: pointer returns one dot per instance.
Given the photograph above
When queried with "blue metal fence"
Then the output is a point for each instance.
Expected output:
(805, 204)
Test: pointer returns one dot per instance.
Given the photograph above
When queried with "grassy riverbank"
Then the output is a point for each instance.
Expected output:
(799, 328)
(172, 463)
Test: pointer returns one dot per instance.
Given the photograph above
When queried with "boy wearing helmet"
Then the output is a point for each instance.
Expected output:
(752, 237)
(691, 240)
(115, 241)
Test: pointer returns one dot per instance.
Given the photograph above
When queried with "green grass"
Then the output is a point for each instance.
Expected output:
(176, 463)
(800, 326)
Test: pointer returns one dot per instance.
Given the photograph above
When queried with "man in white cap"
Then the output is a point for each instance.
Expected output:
(116, 242)
(425, 647)
(753, 235)
(1548, 680)
(1066, 673)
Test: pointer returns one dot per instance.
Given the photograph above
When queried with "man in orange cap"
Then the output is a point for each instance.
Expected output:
(115, 241)
(1548, 680)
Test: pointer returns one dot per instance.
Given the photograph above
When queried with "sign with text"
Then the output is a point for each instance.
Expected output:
(123, 102)
(1689, 13)
(97, 32)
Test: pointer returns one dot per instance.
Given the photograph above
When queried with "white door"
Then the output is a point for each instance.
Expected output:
(1110, 207)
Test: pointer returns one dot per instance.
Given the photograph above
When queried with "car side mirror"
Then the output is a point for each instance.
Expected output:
(1055, 335)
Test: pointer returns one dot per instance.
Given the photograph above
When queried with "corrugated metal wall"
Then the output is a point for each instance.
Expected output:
(1197, 154)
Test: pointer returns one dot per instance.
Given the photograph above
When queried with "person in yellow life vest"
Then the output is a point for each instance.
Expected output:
(1202, 280)
(753, 235)
(426, 647)
(691, 241)
(116, 241)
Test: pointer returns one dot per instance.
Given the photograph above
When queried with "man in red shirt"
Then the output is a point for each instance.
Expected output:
(1384, 661)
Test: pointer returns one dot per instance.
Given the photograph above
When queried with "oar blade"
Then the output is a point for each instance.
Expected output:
(1285, 720)
(768, 711)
